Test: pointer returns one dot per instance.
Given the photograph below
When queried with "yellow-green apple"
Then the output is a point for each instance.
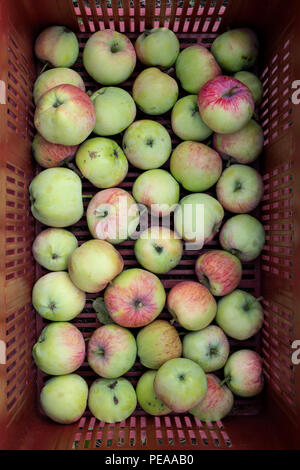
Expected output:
(240, 188)
(192, 305)
(219, 271)
(57, 45)
(236, 49)
(243, 146)
(50, 155)
(112, 215)
(134, 298)
(64, 398)
(112, 400)
(195, 165)
(146, 396)
(111, 351)
(102, 162)
(56, 298)
(244, 236)
(244, 373)
(157, 47)
(252, 82)
(60, 349)
(65, 115)
(115, 110)
(158, 249)
(180, 384)
(240, 314)
(157, 343)
(195, 66)
(225, 104)
(155, 92)
(109, 57)
(52, 248)
(208, 347)
(186, 121)
(147, 144)
(53, 77)
(94, 264)
(216, 404)
(56, 197)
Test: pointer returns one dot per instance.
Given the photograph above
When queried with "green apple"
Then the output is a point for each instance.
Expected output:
(53, 77)
(252, 82)
(244, 374)
(147, 398)
(57, 45)
(52, 248)
(186, 121)
(157, 47)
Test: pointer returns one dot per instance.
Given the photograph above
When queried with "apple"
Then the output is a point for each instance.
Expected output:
(240, 314)
(147, 144)
(64, 398)
(244, 374)
(244, 236)
(236, 49)
(195, 66)
(112, 215)
(53, 77)
(186, 121)
(155, 92)
(252, 82)
(147, 398)
(192, 305)
(65, 115)
(180, 384)
(195, 165)
(225, 104)
(216, 404)
(60, 349)
(52, 248)
(57, 45)
(109, 57)
(50, 155)
(115, 110)
(56, 298)
(134, 298)
(158, 249)
(56, 197)
(111, 351)
(157, 343)
(157, 47)
(208, 347)
(112, 400)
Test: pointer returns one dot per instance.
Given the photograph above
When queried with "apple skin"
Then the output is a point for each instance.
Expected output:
(192, 305)
(112, 400)
(94, 264)
(219, 271)
(60, 349)
(195, 66)
(157, 343)
(216, 404)
(196, 166)
(186, 120)
(52, 248)
(134, 298)
(56, 197)
(49, 155)
(240, 315)
(111, 351)
(64, 398)
(147, 398)
(244, 373)
(56, 298)
(252, 82)
(115, 110)
(157, 47)
(147, 144)
(53, 77)
(57, 45)
(158, 249)
(180, 384)
(244, 236)
(112, 215)
(154, 91)
(225, 104)
(208, 347)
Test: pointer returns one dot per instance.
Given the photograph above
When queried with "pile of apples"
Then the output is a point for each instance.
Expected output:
(218, 102)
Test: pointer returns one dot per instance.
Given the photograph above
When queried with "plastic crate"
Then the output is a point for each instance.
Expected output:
(269, 421)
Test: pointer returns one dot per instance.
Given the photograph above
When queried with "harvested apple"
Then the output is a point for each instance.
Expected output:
(57, 45)
(52, 248)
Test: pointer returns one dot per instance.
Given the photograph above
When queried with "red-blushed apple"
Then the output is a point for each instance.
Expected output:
(157, 343)
(53, 77)
(135, 298)
(186, 120)
(253, 83)
(147, 398)
(243, 373)
(111, 351)
(157, 47)
(192, 305)
(50, 155)
(57, 45)
(225, 104)
(219, 271)
(52, 248)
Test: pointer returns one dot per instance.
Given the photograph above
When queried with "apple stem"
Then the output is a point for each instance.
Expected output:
(225, 380)
(74, 168)
(87, 196)
(255, 300)
(44, 67)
